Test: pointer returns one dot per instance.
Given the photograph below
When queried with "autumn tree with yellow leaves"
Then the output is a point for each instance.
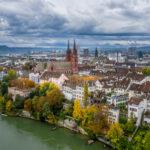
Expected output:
(9, 106)
(97, 119)
(23, 83)
(93, 117)
(115, 133)
(77, 110)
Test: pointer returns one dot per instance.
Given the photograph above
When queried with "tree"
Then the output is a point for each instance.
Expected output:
(9, 106)
(2, 104)
(12, 74)
(129, 126)
(46, 110)
(4, 88)
(27, 66)
(146, 71)
(86, 95)
(46, 87)
(89, 113)
(98, 123)
(55, 99)
(123, 119)
(1, 68)
(51, 118)
(77, 110)
(147, 141)
(115, 134)
(28, 105)
(23, 83)
(18, 103)
(35, 92)
(141, 140)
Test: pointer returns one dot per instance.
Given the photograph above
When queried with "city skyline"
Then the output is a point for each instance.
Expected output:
(47, 23)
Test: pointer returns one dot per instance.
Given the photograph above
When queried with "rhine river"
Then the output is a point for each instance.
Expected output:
(24, 134)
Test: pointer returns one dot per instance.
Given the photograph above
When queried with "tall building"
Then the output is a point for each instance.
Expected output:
(86, 53)
(96, 53)
(72, 57)
(69, 65)
(68, 53)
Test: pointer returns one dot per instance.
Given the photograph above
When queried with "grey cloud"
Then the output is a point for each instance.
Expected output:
(48, 19)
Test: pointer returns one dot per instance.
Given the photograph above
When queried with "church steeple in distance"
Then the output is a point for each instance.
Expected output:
(68, 54)
(96, 53)
(74, 48)
(68, 48)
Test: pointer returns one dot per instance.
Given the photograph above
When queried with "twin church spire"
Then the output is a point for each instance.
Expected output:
(70, 51)
(72, 56)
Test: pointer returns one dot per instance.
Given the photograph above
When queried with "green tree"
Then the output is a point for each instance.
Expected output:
(46, 110)
(86, 94)
(146, 71)
(129, 126)
(115, 134)
(123, 120)
(1, 68)
(10, 76)
(147, 141)
(28, 105)
(46, 87)
(55, 99)
(97, 120)
(9, 106)
(2, 104)
(4, 88)
(18, 103)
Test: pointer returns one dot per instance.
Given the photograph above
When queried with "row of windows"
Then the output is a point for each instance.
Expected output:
(133, 109)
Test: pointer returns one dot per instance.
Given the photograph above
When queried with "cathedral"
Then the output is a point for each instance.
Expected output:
(69, 65)
(72, 57)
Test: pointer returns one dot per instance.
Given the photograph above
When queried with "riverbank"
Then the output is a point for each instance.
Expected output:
(69, 124)
(22, 134)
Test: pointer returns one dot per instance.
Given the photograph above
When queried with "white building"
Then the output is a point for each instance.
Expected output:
(2, 75)
(35, 77)
(117, 100)
(115, 57)
(23, 93)
(76, 91)
(147, 114)
(136, 107)
(58, 80)
(55, 78)
(99, 85)
(79, 90)
(113, 115)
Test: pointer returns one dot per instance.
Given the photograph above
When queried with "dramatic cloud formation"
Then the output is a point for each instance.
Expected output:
(52, 22)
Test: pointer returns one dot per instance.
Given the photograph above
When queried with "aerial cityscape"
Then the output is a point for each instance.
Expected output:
(74, 75)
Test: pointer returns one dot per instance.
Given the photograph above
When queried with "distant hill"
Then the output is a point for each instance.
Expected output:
(106, 47)
(3, 47)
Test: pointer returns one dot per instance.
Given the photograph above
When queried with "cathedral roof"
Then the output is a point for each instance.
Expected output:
(60, 65)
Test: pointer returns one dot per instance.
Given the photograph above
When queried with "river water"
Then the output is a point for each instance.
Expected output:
(24, 134)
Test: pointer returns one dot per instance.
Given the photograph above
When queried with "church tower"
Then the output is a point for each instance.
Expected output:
(74, 59)
(68, 54)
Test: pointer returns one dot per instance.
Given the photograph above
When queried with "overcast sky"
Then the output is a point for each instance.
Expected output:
(52, 22)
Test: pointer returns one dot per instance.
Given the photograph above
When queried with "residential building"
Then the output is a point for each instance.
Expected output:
(2, 75)
(136, 108)
(113, 115)
(21, 92)
(35, 77)
(118, 100)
